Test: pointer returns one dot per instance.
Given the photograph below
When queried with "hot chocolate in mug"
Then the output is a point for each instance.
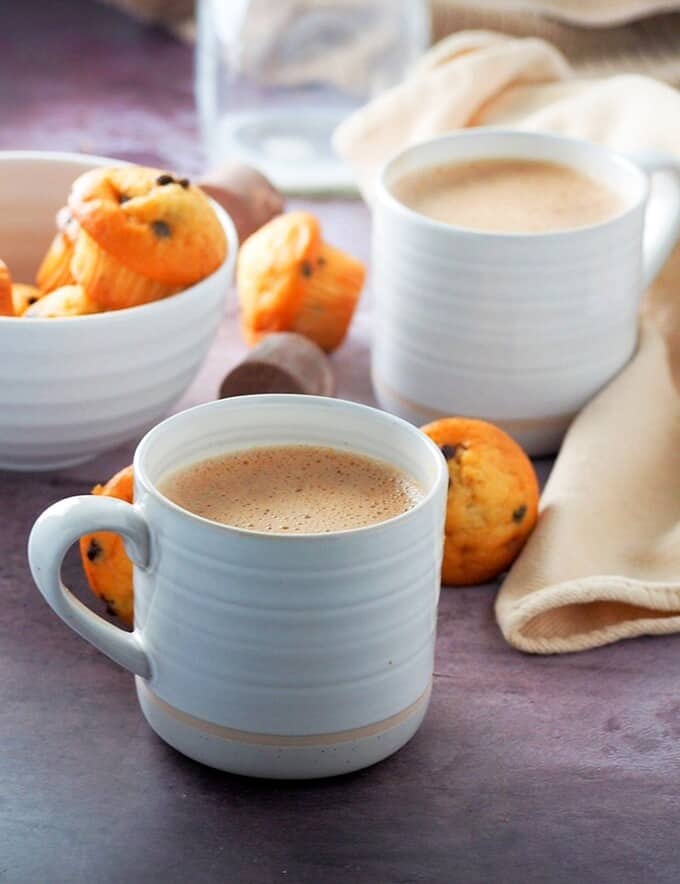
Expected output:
(271, 655)
(521, 329)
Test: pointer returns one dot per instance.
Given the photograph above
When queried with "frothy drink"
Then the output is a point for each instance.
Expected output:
(508, 196)
(293, 489)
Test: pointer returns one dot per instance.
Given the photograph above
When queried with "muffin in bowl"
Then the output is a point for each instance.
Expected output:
(74, 386)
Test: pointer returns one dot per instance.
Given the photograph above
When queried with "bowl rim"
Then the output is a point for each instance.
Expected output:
(97, 160)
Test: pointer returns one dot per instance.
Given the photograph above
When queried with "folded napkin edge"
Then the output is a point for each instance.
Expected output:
(660, 597)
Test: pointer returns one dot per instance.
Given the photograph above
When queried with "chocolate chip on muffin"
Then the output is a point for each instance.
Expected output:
(160, 228)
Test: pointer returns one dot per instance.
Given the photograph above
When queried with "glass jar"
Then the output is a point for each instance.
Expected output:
(275, 77)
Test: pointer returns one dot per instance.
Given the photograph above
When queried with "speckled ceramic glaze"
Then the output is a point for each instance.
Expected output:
(269, 655)
(72, 388)
(519, 329)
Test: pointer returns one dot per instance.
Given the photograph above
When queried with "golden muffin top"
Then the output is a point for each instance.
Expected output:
(157, 225)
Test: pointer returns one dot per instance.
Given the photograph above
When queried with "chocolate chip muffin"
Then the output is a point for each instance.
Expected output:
(492, 500)
(107, 566)
(6, 303)
(55, 267)
(23, 296)
(143, 234)
(289, 279)
(67, 300)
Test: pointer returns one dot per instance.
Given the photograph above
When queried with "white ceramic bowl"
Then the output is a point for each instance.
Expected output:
(73, 388)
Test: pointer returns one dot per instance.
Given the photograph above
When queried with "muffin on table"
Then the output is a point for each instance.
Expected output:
(492, 503)
(105, 562)
(290, 280)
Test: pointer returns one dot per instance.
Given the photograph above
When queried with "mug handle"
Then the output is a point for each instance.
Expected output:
(55, 531)
(662, 217)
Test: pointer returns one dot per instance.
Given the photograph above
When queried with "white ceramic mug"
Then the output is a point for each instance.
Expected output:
(519, 329)
(269, 655)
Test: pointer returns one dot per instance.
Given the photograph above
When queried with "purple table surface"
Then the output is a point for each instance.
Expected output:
(562, 769)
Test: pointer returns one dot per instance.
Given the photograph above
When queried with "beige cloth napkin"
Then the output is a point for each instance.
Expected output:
(635, 40)
(593, 13)
(604, 561)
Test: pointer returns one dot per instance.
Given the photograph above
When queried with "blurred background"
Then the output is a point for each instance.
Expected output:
(182, 84)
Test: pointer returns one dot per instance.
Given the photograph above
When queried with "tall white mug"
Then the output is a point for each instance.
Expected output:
(286, 656)
(518, 329)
